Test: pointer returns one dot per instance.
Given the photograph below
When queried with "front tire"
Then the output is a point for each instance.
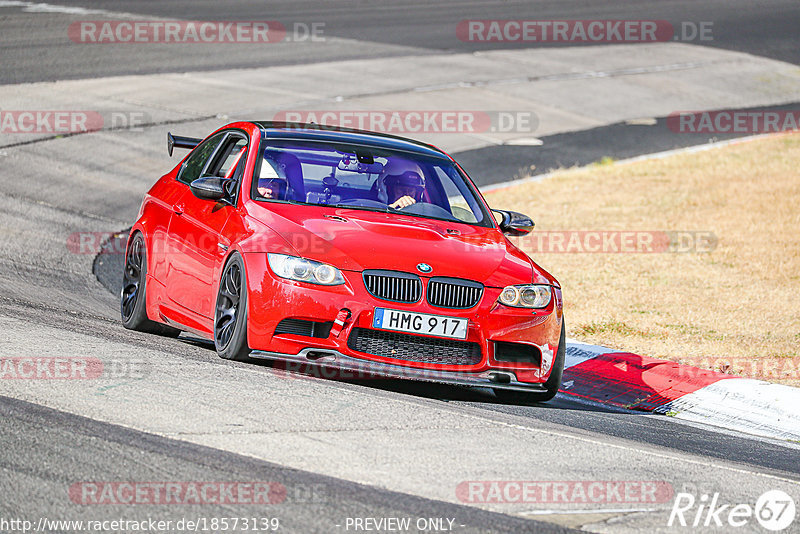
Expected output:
(133, 297)
(230, 313)
(552, 384)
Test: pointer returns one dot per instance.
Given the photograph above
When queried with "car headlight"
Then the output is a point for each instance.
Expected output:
(526, 296)
(303, 270)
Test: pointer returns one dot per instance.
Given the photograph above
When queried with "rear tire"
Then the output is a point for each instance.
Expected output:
(552, 384)
(133, 297)
(230, 312)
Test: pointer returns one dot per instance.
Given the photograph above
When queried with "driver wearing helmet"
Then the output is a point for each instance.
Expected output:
(401, 184)
(270, 184)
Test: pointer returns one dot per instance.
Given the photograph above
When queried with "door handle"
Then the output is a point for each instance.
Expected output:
(178, 209)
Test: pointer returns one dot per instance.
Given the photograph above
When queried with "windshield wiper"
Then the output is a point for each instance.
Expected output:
(357, 207)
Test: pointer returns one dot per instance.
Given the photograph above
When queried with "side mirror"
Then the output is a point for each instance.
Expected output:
(209, 187)
(513, 223)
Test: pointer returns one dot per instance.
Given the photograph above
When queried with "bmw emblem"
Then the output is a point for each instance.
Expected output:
(424, 268)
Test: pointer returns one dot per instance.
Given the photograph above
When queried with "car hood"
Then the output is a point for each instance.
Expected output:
(356, 240)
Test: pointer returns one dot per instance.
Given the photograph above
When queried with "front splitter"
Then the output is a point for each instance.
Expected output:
(347, 367)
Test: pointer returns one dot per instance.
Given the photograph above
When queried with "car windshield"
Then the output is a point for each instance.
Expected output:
(370, 178)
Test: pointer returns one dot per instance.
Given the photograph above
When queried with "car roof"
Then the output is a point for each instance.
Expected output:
(336, 134)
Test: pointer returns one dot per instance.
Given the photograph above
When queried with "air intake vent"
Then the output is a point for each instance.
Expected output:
(414, 348)
(394, 286)
(454, 293)
(517, 353)
(302, 327)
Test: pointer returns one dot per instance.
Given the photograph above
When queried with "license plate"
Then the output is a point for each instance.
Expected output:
(420, 323)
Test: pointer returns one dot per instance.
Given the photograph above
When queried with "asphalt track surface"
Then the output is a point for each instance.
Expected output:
(93, 451)
(45, 450)
(33, 46)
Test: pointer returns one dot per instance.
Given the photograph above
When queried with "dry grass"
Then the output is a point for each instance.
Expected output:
(740, 302)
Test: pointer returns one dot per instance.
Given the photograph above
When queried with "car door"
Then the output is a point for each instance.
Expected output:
(196, 246)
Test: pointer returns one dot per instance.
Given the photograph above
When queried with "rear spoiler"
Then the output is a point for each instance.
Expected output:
(176, 141)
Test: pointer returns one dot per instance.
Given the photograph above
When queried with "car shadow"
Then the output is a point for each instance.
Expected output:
(481, 395)
(611, 383)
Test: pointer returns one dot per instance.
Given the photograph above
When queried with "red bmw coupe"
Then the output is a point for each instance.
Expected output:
(344, 249)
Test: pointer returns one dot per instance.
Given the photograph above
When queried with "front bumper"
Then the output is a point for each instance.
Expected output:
(271, 300)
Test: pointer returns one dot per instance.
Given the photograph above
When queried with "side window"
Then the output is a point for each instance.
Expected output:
(228, 157)
(462, 204)
(197, 160)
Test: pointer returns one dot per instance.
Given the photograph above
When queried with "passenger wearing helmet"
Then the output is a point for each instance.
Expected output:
(401, 184)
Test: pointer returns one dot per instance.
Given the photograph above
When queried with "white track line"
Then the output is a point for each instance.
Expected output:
(41, 7)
